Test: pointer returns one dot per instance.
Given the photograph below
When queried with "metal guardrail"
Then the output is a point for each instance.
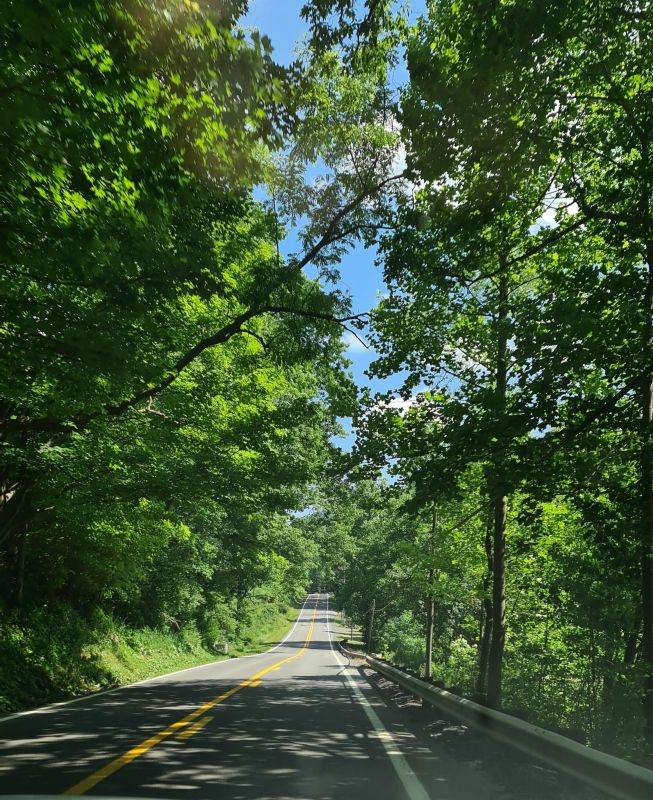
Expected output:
(611, 775)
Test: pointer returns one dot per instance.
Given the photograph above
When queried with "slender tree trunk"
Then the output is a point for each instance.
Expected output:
(497, 644)
(430, 603)
(500, 503)
(540, 679)
(428, 660)
(20, 570)
(14, 511)
(593, 678)
(430, 613)
(486, 635)
(370, 639)
(646, 476)
(632, 642)
(15, 514)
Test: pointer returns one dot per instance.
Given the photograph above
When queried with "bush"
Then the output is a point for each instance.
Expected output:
(462, 665)
(402, 640)
(49, 653)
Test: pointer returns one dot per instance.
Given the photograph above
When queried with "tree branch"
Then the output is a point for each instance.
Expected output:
(258, 338)
(82, 419)
(331, 233)
(559, 233)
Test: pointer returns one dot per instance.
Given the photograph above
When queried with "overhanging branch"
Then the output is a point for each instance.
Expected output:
(81, 420)
(331, 234)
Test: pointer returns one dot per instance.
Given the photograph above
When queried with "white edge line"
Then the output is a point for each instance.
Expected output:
(411, 783)
(93, 695)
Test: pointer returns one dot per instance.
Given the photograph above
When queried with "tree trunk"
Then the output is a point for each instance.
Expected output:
(499, 500)
(646, 497)
(593, 693)
(495, 656)
(14, 510)
(15, 514)
(430, 613)
(370, 638)
(543, 662)
(632, 643)
(486, 634)
(430, 602)
(20, 570)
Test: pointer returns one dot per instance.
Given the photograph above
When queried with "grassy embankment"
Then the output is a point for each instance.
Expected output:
(350, 636)
(57, 654)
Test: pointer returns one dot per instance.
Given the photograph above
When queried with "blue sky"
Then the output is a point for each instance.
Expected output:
(280, 20)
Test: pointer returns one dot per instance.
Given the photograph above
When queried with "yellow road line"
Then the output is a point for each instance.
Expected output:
(186, 734)
(142, 748)
(256, 683)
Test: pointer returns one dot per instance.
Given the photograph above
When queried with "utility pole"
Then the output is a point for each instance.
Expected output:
(369, 643)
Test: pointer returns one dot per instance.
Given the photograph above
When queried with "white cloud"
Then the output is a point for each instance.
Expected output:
(399, 160)
(463, 361)
(400, 403)
(352, 343)
(548, 218)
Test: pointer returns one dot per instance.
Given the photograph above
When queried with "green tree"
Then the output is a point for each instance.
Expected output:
(564, 90)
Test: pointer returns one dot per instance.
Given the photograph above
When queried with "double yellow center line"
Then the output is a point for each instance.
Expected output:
(185, 727)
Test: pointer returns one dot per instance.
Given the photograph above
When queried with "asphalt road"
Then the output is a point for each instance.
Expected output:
(293, 723)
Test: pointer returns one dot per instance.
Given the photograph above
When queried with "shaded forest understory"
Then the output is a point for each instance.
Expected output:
(178, 213)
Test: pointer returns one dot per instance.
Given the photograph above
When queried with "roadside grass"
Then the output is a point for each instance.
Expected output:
(133, 655)
(256, 639)
(348, 635)
(42, 663)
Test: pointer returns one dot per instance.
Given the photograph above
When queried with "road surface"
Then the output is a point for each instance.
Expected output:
(293, 723)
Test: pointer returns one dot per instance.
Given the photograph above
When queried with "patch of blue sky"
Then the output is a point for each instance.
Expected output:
(361, 279)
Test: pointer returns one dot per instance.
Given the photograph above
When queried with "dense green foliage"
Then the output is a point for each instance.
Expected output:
(170, 382)
(172, 378)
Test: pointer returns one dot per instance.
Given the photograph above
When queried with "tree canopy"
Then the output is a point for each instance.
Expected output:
(175, 215)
